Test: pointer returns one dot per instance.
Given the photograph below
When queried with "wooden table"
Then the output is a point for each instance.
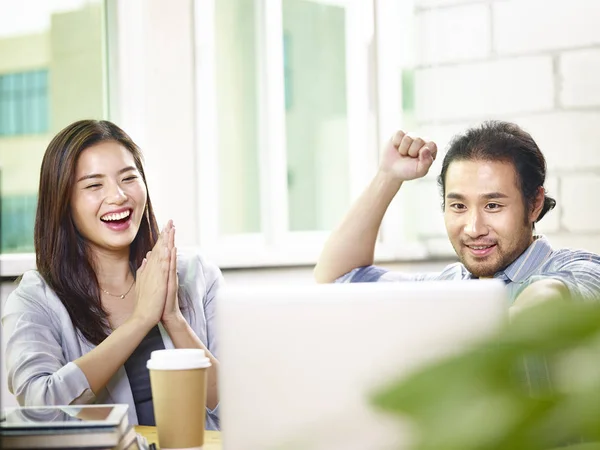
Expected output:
(212, 439)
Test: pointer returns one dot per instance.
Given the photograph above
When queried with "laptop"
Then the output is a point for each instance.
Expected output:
(300, 363)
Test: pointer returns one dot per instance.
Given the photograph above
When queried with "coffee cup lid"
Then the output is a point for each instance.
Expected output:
(178, 359)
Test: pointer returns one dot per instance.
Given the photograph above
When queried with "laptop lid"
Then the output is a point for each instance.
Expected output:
(298, 363)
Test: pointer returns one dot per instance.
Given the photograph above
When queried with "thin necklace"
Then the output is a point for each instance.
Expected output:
(120, 296)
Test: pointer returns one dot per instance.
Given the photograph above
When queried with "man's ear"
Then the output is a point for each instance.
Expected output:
(538, 204)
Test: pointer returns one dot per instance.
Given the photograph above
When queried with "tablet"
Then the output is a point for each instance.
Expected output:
(68, 416)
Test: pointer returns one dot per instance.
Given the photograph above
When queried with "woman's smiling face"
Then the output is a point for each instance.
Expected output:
(108, 197)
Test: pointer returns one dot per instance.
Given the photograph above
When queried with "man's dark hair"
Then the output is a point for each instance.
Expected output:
(502, 141)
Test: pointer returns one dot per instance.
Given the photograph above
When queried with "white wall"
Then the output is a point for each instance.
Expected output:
(534, 62)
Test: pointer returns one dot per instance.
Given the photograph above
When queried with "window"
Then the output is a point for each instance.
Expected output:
(52, 72)
(288, 121)
(260, 127)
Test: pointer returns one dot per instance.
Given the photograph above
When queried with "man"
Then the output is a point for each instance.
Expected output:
(492, 183)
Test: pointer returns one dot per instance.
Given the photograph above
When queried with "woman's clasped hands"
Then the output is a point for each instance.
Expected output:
(157, 282)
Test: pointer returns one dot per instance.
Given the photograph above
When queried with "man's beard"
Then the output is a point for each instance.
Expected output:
(498, 262)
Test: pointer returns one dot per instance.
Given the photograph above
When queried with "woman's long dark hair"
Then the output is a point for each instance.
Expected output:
(63, 256)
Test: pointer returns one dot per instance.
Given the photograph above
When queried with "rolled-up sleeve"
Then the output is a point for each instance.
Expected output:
(366, 274)
(37, 370)
(579, 271)
(374, 274)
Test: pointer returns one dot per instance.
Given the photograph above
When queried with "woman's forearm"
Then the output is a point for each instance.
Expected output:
(100, 364)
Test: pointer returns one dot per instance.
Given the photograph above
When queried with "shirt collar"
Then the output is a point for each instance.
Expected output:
(529, 261)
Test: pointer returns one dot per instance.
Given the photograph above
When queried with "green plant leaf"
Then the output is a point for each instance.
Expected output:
(513, 391)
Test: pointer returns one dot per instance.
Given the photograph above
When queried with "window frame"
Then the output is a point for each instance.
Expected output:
(374, 108)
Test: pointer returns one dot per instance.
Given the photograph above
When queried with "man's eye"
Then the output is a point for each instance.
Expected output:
(457, 206)
(493, 206)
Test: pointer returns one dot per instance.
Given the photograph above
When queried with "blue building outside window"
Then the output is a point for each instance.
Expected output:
(24, 103)
(24, 110)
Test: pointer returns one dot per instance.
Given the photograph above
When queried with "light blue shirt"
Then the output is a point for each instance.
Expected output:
(42, 343)
(577, 269)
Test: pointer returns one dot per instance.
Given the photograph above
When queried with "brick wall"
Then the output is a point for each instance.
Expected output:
(534, 62)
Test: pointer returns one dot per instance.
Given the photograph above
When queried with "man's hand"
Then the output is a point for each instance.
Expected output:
(538, 292)
(407, 158)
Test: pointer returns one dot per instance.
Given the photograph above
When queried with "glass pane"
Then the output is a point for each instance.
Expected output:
(11, 123)
(18, 100)
(28, 102)
(237, 116)
(44, 102)
(316, 113)
(3, 106)
(51, 74)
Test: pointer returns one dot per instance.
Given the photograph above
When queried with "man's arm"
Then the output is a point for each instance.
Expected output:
(352, 244)
(541, 291)
(574, 275)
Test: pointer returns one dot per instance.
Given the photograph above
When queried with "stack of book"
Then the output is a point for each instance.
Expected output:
(69, 427)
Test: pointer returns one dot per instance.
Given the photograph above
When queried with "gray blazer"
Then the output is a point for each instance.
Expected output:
(42, 343)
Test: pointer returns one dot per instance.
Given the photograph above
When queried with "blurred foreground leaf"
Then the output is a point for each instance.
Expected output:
(534, 385)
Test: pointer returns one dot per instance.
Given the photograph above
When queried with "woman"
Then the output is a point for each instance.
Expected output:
(109, 288)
